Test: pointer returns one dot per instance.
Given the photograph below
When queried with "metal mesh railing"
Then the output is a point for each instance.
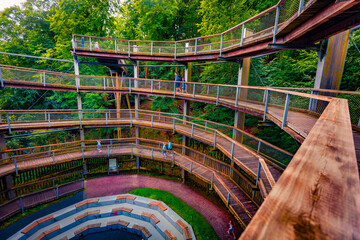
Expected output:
(256, 28)
(27, 201)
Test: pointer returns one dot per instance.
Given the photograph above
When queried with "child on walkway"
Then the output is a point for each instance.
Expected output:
(231, 229)
(164, 150)
(99, 146)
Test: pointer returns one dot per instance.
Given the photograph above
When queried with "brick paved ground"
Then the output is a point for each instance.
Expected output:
(112, 185)
(119, 184)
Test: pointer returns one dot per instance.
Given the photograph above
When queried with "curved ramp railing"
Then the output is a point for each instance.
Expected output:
(187, 158)
(244, 159)
(265, 149)
(292, 111)
(262, 27)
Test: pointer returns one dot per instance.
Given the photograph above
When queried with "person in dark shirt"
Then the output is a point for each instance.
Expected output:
(177, 80)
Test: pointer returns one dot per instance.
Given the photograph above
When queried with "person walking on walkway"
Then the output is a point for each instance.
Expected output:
(164, 150)
(177, 82)
(231, 229)
(99, 146)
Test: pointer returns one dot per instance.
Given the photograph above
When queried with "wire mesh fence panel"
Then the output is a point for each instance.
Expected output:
(22, 75)
(82, 43)
(275, 155)
(140, 47)
(122, 46)
(185, 47)
(163, 48)
(208, 44)
(69, 188)
(37, 198)
(260, 28)
(277, 104)
(232, 38)
(354, 107)
(92, 81)
(9, 209)
(288, 9)
(227, 92)
(299, 103)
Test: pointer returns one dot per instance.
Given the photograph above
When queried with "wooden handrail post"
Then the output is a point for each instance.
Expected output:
(57, 192)
(106, 118)
(108, 150)
(206, 125)
(90, 44)
(104, 83)
(217, 94)
(191, 163)
(115, 46)
(53, 157)
(276, 23)
(204, 158)
(152, 154)
(267, 99)
(129, 85)
(286, 110)
(194, 87)
(192, 130)
(49, 119)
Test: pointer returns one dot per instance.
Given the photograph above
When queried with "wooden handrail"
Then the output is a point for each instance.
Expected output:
(324, 166)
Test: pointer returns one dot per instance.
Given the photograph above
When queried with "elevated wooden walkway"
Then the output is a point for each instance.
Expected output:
(288, 23)
(247, 160)
(239, 203)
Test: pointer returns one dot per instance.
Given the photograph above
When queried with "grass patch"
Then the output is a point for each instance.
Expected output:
(33, 210)
(201, 227)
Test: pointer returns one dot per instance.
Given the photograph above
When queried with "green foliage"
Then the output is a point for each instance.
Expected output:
(201, 227)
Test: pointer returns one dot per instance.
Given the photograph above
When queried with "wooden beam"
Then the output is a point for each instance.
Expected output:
(318, 195)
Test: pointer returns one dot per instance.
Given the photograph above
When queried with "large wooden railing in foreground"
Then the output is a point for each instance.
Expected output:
(318, 195)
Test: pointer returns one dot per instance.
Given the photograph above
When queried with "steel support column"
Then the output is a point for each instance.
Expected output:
(78, 96)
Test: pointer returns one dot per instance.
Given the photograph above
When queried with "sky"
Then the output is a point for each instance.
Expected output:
(8, 3)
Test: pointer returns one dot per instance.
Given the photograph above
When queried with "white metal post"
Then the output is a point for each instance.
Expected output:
(286, 110)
